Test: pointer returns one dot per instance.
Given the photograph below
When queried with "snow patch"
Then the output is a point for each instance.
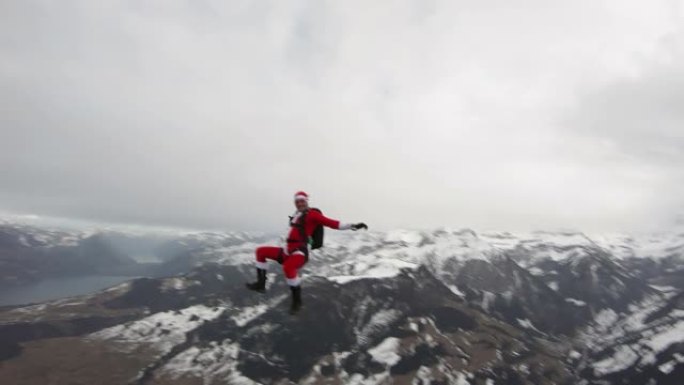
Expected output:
(667, 367)
(664, 289)
(252, 312)
(454, 289)
(120, 288)
(248, 314)
(177, 283)
(623, 358)
(161, 330)
(669, 335)
(575, 302)
(461, 379)
(386, 352)
(526, 324)
(487, 299)
(217, 361)
(606, 317)
(377, 322)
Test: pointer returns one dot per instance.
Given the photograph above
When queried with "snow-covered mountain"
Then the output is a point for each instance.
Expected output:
(443, 306)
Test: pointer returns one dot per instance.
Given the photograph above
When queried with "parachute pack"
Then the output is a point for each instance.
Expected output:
(316, 239)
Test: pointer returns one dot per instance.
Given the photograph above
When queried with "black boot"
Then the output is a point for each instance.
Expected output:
(260, 284)
(296, 299)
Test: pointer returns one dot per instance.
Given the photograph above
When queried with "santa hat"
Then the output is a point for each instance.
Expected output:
(301, 195)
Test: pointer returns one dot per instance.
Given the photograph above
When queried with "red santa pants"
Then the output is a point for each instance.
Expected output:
(292, 261)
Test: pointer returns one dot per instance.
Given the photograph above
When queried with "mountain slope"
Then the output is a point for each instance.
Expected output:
(405, 327)
(400, 307)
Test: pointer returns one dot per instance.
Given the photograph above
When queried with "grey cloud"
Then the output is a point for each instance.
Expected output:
(643, 113)
(402, 114)
(638, 120)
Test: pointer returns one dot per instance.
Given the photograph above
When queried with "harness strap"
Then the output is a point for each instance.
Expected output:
(300, 225)
(304, 249)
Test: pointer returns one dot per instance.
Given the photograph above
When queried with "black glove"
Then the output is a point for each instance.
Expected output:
(358, 226)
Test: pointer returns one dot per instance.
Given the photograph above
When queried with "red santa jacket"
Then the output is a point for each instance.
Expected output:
(312, 219)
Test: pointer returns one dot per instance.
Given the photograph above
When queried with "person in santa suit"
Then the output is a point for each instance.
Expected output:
(305, 223)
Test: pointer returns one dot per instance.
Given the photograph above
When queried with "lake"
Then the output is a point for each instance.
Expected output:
(56, 288)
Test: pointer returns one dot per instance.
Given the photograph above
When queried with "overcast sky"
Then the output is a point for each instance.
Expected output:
(493, 114)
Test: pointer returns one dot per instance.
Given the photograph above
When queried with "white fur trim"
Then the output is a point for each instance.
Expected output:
(294, 281)
(345, 226)
(262, 265)
(295, 217)
(298, 252)
(304, 197)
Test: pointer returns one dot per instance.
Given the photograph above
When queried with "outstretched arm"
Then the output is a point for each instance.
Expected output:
(317, 217)
(335, 224)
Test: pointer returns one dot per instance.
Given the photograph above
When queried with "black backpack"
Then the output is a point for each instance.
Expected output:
(316, 239)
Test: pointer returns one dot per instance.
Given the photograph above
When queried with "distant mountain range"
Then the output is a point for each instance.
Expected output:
(438, 307)
(30, 254)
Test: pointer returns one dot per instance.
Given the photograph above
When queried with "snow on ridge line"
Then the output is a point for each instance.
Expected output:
(440, 246)
(375, 272)
(440, 243)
